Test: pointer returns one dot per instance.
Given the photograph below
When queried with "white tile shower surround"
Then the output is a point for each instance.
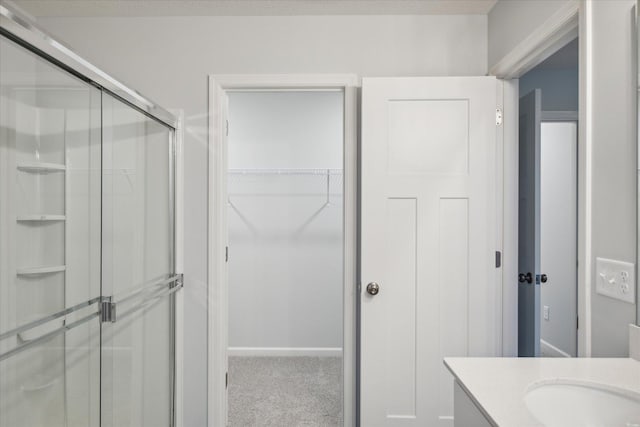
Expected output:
(285, 391)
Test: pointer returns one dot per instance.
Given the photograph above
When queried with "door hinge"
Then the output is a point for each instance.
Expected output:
(577, 323)
(498, 116)
(226, 380)
(226, 254)
(498, 259)
(227, 123)
(108, 311)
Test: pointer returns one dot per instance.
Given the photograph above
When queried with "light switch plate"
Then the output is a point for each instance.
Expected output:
(616, 279)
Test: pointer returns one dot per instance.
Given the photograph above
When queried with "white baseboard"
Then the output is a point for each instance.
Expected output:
(445, 421)
(549, 350)
(284, 351)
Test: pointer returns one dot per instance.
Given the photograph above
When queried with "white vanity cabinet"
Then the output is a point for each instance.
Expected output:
(508, 391)
(465, 411)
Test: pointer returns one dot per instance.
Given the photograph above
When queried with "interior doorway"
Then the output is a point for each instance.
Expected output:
(285, 210)
(548, 207)
(282, 262)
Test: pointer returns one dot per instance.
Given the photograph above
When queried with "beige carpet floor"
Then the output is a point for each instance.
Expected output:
(285, 391)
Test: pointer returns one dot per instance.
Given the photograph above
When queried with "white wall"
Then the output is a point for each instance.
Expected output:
(613, 128)
(285, 268)
(168, 59)
(559, 88)
(512, 21)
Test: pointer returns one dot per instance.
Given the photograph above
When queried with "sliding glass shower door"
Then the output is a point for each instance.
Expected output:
(137, 355)
(87, 272)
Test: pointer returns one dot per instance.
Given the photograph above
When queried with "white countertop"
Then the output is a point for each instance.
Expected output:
(498, 385)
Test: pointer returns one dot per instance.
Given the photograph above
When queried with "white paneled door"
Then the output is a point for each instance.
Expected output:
(428, 242)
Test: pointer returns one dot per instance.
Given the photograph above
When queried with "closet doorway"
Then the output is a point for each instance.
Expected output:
(285, 255)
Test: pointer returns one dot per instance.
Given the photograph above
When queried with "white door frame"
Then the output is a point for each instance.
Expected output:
(217, 282)
(566, 24)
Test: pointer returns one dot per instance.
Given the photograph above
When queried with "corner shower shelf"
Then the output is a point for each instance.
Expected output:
(40, 387)
(40, 331)
(41, 167)
(22, 218)
(40, 270)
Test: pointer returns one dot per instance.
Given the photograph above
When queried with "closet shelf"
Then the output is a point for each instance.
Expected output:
(320, 172)
(40, 270)
(41, 167)
(38, 218)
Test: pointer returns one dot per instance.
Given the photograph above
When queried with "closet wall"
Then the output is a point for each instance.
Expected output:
(285, 222)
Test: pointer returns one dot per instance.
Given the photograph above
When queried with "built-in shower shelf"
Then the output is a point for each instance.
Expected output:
(41, 167)
(40, 270)
(39, 387)
(23, 218)
(40, 330)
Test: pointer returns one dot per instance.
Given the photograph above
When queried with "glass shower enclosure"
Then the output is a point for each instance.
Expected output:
(87, 238)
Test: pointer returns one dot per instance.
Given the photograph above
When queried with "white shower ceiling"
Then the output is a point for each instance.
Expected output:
(89, 8)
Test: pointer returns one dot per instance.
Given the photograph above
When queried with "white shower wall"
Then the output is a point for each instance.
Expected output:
(285, 230)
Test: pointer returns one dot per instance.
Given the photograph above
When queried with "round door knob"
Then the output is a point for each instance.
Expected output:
(525, 278)
(373, 288)
(544, 278)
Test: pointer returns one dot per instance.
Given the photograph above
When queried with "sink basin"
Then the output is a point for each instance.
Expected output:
(569, 403)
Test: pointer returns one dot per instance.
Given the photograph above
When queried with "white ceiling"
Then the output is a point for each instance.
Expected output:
(88, 8)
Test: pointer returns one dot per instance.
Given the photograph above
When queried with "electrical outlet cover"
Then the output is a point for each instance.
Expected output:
(616, 279)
